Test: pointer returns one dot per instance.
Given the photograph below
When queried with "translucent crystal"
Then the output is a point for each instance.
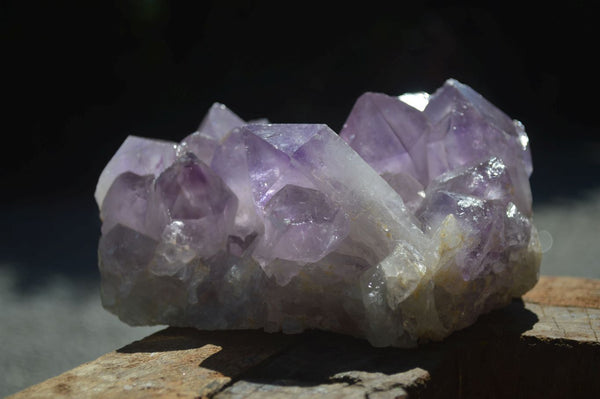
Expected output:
(219, 121)
(411, 231)
(136, 155)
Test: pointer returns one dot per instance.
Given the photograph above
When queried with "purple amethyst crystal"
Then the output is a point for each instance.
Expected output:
(405, 227)
(139, 156)
(219, 121)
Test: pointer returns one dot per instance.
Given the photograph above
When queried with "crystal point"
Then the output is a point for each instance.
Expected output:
(307, 218)
(137, 155)
(217, 123)
(388, 134)
(407, 226)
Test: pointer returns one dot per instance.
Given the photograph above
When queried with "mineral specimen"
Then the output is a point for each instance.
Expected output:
(405, 227)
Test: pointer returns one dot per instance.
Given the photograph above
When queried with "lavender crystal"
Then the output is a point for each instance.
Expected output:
(405, 227)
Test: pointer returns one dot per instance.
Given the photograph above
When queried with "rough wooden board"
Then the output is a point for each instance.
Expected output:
(565, 291)
(175, 362)
(351, 384)
(565, 323)
(526, 349)
(567, 308)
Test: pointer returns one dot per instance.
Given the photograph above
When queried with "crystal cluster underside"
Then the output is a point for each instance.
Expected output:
(406, 226)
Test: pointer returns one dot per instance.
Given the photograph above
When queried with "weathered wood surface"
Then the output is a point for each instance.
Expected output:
(544, 346)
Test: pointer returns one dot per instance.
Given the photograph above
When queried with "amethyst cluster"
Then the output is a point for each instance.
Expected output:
(406, 226)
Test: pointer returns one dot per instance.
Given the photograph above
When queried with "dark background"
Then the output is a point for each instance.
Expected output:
(79, 77)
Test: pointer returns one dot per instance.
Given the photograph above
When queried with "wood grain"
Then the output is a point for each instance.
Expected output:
(565, 291)
(173, 363)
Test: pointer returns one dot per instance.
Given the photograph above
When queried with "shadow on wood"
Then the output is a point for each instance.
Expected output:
(319, 358)
(527, 349)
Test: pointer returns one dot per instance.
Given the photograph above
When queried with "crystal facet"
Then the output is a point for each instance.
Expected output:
(405, 227)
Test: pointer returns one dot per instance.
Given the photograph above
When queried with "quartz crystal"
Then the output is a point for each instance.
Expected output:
(406, 226)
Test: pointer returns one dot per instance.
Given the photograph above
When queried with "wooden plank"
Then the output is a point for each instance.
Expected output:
(565, 323)
(173, 363)
(565, 291)
(545, 346)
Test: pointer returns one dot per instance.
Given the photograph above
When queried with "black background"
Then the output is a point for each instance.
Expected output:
(79, 77)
